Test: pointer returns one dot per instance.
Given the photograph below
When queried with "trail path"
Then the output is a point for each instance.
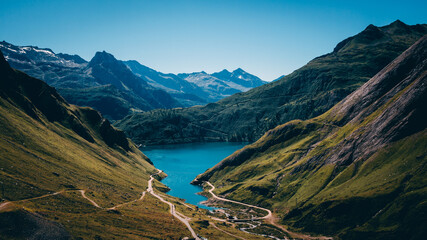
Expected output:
(172, 207)
(122, 204)
(181, 217)
(7, 203)
(269, 217)
(83, 192)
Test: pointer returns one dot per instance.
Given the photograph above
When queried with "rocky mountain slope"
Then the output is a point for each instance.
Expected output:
(116, 88)
(243, 79)
(56, 156)
(307, 92)
(356, 172)
(104, 83)
(223, 84)
(203, 87)
(187, 93)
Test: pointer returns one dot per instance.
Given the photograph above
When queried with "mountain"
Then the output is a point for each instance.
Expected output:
(197, 88)
(50, 150)
(277, 79)
(104, 83)
(106, 69)
(239, 77)
(59, 70)
(185, 92)
(223, 84)
(306, 93)
(66, 173)
(217, 88)
(356, 172)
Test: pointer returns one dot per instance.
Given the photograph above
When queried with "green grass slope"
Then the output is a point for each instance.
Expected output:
(357, 171)
(306, 93)
(47, 146)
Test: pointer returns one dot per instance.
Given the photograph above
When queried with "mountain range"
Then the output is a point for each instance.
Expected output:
(67, 173)
(116, 88)
(303, 94)
(223, 84)
(357, 171)
(338, 147)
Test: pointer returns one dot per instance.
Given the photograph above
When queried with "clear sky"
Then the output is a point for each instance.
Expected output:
(266, 37)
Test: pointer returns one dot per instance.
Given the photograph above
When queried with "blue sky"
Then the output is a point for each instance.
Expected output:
(266, 37)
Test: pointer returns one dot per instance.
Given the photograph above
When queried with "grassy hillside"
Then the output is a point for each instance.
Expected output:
(66, 173)
(306, 93)
(357, 172)
(48, 146)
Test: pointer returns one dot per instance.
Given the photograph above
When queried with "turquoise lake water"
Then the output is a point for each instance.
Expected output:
(183, 162)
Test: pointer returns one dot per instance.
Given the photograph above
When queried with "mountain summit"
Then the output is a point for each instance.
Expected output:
(240, 77)
(223, 83)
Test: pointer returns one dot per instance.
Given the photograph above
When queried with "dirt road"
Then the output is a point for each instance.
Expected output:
(172, 207)
(269, 217)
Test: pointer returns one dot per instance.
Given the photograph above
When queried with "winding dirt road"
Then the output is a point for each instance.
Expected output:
(269, 217)
(172, 207)
(7, 203)
(83, 192)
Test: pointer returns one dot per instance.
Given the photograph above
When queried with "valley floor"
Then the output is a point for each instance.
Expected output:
(152, 215)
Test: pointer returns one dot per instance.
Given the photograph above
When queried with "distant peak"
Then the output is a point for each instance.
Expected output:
(131, 61)
(239, 70)
(398, 23)
(102, 57)
(371, 27)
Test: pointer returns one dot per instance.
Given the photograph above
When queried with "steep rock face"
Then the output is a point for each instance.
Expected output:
(355, 171)
(306, 93)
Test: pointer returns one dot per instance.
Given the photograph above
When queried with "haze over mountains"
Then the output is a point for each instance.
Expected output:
(117, 88)
(307, 92)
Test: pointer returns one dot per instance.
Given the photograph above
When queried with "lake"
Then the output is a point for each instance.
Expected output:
(183, 162)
